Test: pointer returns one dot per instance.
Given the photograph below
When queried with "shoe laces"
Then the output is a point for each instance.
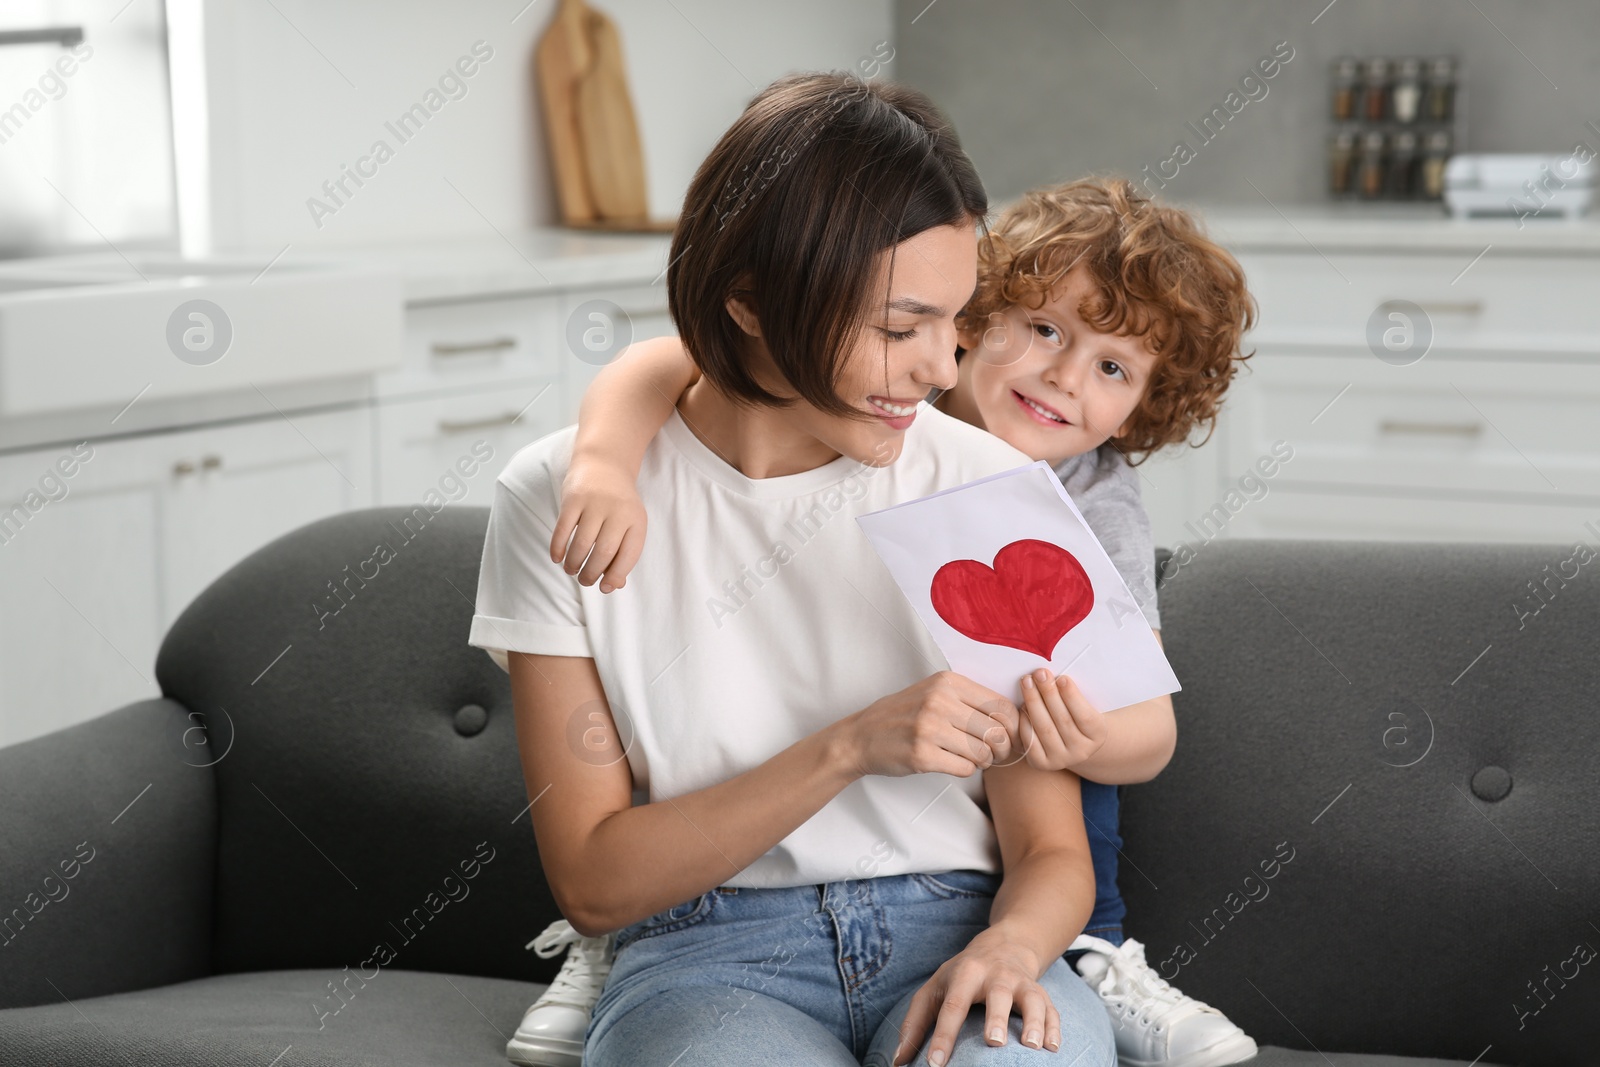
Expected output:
(583, 972)
(1134, 987)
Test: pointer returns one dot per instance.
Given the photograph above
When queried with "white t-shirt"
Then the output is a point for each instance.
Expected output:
(757, 615)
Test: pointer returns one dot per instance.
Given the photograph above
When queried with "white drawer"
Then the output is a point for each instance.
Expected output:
(1292, 513)
(1460, 426)
(1501, 303)
(477, 343)
(455, 446)
(593, 333)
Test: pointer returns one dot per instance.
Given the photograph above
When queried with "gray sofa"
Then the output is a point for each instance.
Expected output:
(1379, 836)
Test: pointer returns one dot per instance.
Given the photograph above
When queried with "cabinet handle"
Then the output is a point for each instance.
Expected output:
(1450, 429)
(184, 466)
(464, 425)
(1448, 307)
(467, 348)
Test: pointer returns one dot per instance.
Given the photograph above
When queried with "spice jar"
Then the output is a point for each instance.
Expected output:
(1371, 169)
(1403, 165)
(1405, 99)
(1441, 90)
(1375, 94)
(1342, 163)
(1435, 156)
(1346, 88)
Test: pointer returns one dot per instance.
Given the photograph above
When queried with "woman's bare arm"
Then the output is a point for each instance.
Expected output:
(610, 864)
(1044, 900)
(1048, 891)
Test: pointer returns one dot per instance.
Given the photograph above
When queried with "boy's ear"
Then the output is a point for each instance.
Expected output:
(968, 336)
(743, 310)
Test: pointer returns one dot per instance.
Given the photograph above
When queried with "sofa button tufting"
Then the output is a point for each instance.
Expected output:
(1491, 784)
(471, 719)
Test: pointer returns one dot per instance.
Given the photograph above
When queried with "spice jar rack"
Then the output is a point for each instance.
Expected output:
(1396, 123)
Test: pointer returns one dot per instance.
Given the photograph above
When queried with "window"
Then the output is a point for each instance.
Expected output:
(86, 160)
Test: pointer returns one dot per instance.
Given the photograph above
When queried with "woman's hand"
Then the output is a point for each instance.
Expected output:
(945, 723)
(603, 519)
(1060, 728)
(994, 971)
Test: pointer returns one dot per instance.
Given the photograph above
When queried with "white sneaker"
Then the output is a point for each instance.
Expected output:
(551, 1033)
(1155, 1025)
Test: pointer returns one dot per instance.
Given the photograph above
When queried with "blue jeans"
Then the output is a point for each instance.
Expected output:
(816, 974)
(1100, 807)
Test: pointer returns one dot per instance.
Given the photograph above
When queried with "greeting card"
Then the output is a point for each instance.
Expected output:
(1008, 577)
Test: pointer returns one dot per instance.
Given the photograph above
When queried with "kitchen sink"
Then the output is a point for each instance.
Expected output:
(97, 330)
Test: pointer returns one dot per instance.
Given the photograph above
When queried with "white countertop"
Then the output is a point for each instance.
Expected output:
(523, 261)
(544, 259)
(547, 258)
(1398, 228)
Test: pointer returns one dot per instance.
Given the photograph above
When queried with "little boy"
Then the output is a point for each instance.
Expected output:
(1103, 325)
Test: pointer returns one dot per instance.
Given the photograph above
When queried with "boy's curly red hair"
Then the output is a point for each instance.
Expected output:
(1157, 276)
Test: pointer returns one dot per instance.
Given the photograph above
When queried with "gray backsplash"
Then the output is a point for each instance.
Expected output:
(1044, 90)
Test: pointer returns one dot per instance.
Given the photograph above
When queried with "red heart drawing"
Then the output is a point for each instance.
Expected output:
(1035, 593)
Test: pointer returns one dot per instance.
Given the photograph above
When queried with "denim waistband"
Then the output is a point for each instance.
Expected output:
(779, 902)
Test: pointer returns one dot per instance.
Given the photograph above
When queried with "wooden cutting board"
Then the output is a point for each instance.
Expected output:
(560, 56)
(592, 131)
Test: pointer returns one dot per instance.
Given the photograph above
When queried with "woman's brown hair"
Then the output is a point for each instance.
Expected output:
(1156, 276)
(820, 174)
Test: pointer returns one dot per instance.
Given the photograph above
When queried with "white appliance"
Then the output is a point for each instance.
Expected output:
(1520, 186)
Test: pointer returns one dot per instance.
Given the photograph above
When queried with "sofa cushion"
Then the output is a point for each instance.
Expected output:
(279, 1019)
(373, 791)
(394, 1018)
(107, 852)
(1272, 1056)
(1379, 829)
(397, 1018)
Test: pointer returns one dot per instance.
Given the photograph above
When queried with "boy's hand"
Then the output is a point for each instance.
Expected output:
(599, 534)
(1066, 728)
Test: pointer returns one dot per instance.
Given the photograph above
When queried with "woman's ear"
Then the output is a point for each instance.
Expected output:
(743, 311)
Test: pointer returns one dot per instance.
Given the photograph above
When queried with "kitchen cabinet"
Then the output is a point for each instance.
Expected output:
(230, 490)
(82, 602)
(1481, 431)
(505, 371)
(475, 344)
(92, 580)
(594, 331)
(457, 445)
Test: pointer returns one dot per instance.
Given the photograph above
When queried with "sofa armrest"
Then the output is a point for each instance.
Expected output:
(108, 834)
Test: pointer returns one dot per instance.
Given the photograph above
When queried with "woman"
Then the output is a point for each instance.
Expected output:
(817, 877)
